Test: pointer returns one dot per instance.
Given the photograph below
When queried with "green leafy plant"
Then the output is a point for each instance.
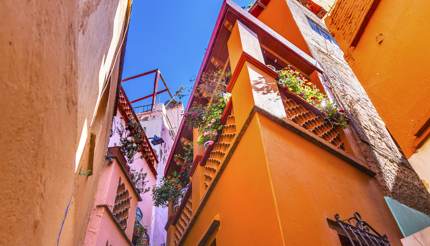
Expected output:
(298, 84)
(211, 120)
(169, 190)
(131, 139)
(208, 118)
(295, 82)
(185, 156)
(333, 114)
(171, 187)
(177, 97)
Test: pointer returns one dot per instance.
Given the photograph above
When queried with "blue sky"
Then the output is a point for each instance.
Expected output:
(170, 35)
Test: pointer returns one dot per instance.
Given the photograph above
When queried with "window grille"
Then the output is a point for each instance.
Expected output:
(357, 232)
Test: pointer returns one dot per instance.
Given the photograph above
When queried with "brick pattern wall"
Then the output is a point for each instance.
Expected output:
(393, 171)
(345, 19)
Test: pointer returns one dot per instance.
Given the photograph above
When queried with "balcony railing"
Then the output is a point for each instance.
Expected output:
(312, 119)
(215, 154)
(355, 231)
(112, 220)
(211, 162)
(182, 217)
(143, 108)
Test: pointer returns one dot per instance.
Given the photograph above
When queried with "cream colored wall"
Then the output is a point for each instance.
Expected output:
(325, 4)
(39, 108)
(420, 161)
(55, 57)
(418, 239)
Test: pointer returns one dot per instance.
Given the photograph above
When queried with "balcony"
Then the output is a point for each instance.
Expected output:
(112, 220)
(182, 216)
(254, 54)
(311, 118)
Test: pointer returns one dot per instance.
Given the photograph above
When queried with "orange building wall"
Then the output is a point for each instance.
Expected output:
(311, 185)
(395, 72)
(279, 188)
(242, 199)
(284, 190)
(278, 17)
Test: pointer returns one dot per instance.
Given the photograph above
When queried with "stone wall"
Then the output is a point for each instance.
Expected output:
(394, 173)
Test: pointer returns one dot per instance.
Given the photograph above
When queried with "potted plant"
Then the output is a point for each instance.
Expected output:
(168, 191)
(171, 187)
(295, 82)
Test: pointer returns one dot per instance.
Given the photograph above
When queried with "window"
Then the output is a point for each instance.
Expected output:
(321, 31)
(209, 239)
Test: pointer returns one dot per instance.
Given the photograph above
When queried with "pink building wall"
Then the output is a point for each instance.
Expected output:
(102, 229)
(137, 164)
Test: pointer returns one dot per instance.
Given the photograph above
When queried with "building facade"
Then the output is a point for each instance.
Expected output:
(163, 122)
(279, 170)
(380, 41)
(60, 69)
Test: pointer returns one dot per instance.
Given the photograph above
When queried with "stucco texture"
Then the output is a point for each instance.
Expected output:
(390, 59)
(271, 203)
(57, 56)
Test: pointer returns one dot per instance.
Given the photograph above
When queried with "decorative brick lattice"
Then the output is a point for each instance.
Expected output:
(183, 220)
(304, 115)
(219, 151)
(122, 205)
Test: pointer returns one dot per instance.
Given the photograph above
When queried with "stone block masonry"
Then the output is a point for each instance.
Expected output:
(393, 171)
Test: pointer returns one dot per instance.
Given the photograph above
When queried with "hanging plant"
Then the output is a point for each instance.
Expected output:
(336, 116)
(211, 88)
(169, 190)
(139, 179)
(211, 120)
(171, 187)
(295, 82)
(131, 139)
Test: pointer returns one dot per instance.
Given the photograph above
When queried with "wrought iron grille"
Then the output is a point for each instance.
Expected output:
(357, 232)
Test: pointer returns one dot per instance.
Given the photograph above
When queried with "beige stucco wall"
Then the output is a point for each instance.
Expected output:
(418, 239)
(56, 56)
(420, 161)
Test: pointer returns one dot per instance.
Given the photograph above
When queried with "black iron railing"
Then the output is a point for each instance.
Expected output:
(357, 232)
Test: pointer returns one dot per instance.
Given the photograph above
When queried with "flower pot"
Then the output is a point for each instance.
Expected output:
(207, 144)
